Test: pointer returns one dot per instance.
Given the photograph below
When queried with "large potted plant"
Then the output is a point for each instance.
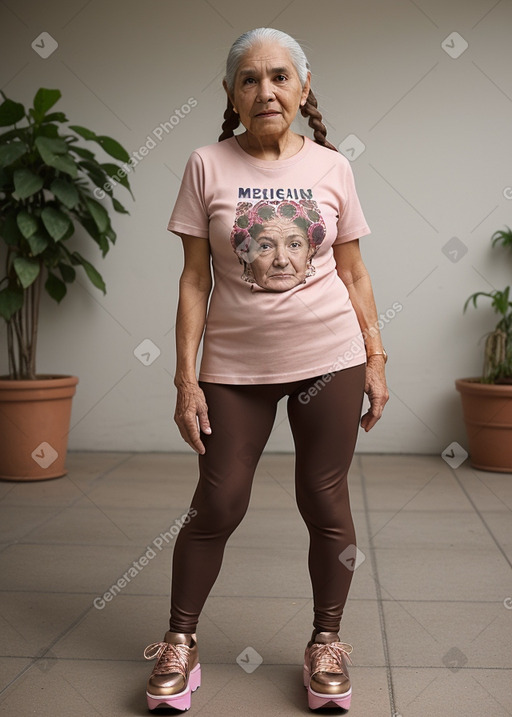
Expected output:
(49, 186)
(487, 401)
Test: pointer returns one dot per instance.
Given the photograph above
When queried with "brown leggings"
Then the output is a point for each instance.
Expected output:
(324, 424)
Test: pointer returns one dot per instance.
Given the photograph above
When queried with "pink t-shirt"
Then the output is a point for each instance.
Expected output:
(278, 311)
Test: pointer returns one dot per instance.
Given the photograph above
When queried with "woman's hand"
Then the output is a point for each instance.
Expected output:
(191, 410)
(376, 388)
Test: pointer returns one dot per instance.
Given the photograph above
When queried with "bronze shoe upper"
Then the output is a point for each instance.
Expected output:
(176, 656)
(327, 660)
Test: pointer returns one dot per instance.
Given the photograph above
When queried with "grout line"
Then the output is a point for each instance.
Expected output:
(44, 652)
(77, 499)
(482, 519)
(382, 621)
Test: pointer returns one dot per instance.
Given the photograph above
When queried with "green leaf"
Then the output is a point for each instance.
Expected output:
(85, 153)
(55, 287)
(119, 207)
(44, 100)
(55, 117)
(9, 153)
(5, 179)
(112, 147)
(65, 192)
(96, 174)
(26, 183)
(55, 222)
(91, 272)
(87, 222)
(12, 134)
(10, 113)
(113, 171)
(83, 132)
(10, 231)
(11, 301)
(67, 272)
(98, 213)
(27, 223)
(27, 270)
(38, 243)
(100, 238)
(54, 146)
(49, 130)
(63, 162)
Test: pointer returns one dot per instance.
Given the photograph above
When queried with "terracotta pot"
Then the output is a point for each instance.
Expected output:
(34, 427)
(487, 412)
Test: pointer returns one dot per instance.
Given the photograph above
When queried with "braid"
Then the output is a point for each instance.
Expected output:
(231, 122)
(310, 110)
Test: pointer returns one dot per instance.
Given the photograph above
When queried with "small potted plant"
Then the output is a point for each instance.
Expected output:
(49, 185)
(487, 401)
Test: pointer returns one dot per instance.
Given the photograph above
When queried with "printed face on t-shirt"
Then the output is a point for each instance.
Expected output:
(276, 241)
(280, 260)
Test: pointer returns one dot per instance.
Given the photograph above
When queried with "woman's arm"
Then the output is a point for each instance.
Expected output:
(353, 273)
(194, 290)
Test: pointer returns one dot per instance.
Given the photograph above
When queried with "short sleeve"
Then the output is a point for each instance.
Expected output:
(190, 215)
(351, 222)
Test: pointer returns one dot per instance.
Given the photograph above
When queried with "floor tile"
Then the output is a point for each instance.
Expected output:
(10, 668)
(66, 568)
(87, 524)
(500, 525)
(440, 574)
(487, 490)
(16, 522)
(431, 634)
(458, 692)
(445, 529)
(31, 621)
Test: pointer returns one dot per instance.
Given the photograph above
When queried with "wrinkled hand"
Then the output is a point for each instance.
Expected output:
(376, 388)
(191, 414)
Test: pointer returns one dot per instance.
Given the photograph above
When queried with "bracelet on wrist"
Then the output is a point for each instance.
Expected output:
(379, 353)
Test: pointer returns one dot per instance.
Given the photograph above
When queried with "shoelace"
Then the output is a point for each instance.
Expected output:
(171, 658)
(329, 657)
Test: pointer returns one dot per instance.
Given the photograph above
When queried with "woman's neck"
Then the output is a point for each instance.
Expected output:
(271, 148)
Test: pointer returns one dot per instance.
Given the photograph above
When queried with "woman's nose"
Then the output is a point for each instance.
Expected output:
(265, 91)
(281, 258)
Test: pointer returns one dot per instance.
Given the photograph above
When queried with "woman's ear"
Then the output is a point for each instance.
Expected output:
(305, 90)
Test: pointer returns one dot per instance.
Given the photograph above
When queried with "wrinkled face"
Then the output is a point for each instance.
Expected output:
(267, 91)
(281, 257)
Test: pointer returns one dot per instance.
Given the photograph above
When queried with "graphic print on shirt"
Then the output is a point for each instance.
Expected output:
(276, 241)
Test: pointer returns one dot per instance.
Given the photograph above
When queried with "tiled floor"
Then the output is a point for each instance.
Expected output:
(429, 613)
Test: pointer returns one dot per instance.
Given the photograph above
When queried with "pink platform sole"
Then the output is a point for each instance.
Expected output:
(317, 700)
(181, 700)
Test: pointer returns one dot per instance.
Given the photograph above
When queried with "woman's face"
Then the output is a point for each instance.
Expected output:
(281, 256)
(267, 91)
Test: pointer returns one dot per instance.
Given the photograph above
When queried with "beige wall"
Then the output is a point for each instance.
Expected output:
(436, 166)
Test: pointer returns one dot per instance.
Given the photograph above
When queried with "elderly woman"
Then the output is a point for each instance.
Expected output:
(271, 200)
